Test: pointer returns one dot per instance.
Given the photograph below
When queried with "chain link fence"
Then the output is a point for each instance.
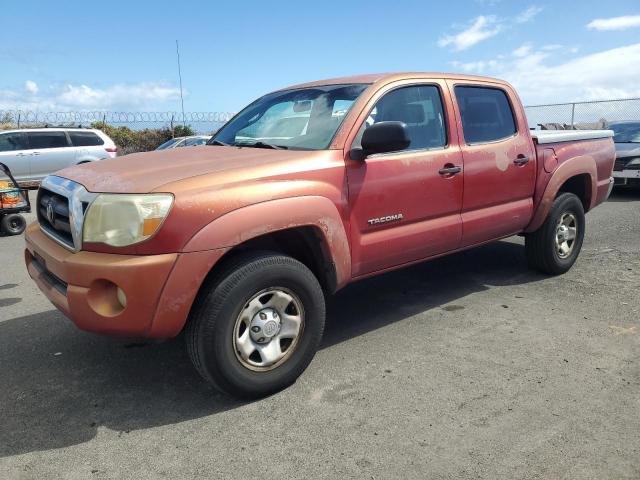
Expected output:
(583, 115)
(199, 122)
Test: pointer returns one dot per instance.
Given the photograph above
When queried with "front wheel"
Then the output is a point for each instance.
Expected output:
(555, 246)
(256, 325)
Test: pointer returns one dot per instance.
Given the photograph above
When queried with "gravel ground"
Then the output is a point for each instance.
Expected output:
(469, 366)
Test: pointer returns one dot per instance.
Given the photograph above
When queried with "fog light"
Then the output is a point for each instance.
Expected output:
(122, 298)
(106, 298)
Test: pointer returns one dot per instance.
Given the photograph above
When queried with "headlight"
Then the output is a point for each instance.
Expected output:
(121, 220)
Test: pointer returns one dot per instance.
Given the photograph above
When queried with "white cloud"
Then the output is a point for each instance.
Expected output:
(540, 78)
(615, 23)
(31, 87)
(522, 51)
(528, 14)
(481, 28)
(125, 97)
(484, 27)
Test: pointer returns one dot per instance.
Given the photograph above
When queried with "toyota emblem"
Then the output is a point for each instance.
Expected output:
(51, 215)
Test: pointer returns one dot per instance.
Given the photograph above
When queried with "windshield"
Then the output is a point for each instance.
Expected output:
(626, 132)
(169, 143)
(301, 119)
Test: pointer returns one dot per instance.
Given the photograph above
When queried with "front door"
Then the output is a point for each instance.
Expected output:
(403, 206)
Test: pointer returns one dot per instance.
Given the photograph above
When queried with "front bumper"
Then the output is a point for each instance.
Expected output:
(159, 289)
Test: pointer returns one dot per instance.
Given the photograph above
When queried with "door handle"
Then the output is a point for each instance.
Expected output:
(521, 160)
(21, 154)
(35, 153)
(450, 170)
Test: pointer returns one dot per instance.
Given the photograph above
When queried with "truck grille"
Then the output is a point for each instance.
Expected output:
(619, 165)
(53, 215)
(61, 206)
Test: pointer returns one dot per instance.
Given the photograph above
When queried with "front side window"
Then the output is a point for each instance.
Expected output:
(303, 119)
(10, 142)
(419, 108)
(486, 114)
(41, 140)
(85, 139)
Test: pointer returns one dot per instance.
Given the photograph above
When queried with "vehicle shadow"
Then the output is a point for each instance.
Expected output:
(59, 385)
(624, 194)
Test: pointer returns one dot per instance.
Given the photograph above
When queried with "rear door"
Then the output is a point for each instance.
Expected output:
(402, 209)
(499, 161)
(14, 154)
(50, 152)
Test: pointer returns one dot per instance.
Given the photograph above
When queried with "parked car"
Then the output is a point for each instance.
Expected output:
(185, 142)
(32, 154)
(238, 244)
(627, 139)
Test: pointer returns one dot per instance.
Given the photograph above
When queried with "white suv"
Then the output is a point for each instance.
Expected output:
(32, 154)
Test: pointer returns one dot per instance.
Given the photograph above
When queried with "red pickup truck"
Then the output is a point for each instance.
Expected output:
(307, 189)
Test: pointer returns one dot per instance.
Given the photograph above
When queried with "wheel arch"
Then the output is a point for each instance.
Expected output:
(305, 243)
(299, 226)
(576, 175)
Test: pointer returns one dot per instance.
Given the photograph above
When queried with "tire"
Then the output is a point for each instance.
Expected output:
(13, 224)
(225, 313)
(543, 251)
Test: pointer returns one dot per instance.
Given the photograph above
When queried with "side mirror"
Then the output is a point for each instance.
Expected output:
(385, 137)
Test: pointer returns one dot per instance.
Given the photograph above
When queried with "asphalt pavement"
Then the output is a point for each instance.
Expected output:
(470, 366)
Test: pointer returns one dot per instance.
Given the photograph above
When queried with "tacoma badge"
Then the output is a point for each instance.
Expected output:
(388, 218)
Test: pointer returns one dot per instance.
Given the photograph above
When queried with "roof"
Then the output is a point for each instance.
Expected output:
(388, 77)
(50, 129)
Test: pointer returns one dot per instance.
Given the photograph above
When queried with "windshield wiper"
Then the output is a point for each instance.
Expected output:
(262, 145)
(218, 142)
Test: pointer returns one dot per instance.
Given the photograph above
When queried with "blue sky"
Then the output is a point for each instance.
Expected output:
(116, 55)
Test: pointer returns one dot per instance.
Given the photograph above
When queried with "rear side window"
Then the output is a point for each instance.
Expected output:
(85, 139)
(486, 114)
(12, 141)
(39, 140)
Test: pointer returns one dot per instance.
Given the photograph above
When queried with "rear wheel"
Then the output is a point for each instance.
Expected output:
(555, 246)
(257, 325)
(13, 224)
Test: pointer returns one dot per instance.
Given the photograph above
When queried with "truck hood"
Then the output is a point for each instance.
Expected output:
(149, 171)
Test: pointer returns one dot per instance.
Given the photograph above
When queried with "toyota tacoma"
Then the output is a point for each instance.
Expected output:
(237, 243)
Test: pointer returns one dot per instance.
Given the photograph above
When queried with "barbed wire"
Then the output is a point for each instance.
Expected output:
(30, 116)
